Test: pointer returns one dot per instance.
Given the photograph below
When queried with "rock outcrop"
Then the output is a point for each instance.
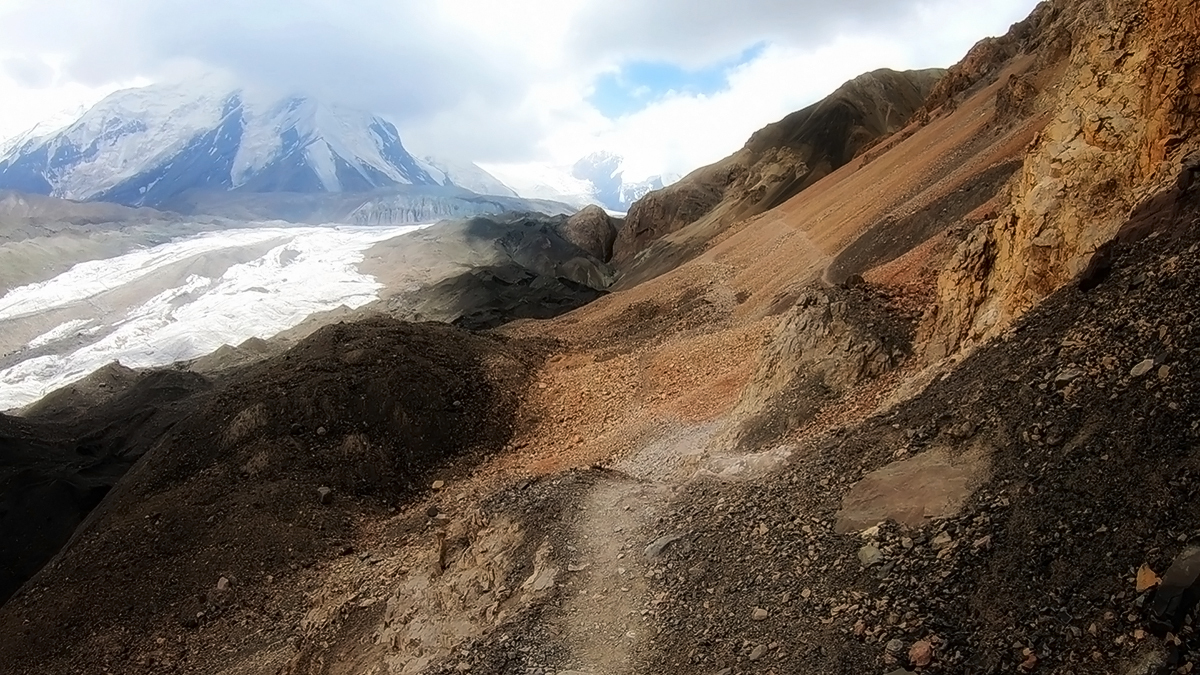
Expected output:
(1044, 31)
(592, 230)
(829, 342)
(777, 162)
(1127, 111)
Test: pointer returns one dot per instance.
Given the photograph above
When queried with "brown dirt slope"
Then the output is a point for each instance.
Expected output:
(777, 162)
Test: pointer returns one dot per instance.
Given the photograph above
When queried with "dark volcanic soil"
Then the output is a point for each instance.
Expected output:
(364, 409)
(58, 463)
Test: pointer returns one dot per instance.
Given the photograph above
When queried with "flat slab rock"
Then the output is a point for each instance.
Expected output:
(912, 491)
(1177, 592)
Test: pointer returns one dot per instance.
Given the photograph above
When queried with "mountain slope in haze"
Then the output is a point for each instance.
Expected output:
(41, 237)
(146, 146)
(606, 172)
(50, 125)
(466, 175)
(777, 162)
(398, 205)
(595, 180)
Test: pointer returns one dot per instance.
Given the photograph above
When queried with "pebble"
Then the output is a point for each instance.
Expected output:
(921, 653)
(1067, 377)
(759, 614)
(758, 652)
(869, 555)
(941, 541)
(659, 545)
(1142, 368)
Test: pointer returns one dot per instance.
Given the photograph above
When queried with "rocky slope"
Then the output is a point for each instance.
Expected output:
(777, 162)
(877, 427)
(486, 271)
(1124, 113)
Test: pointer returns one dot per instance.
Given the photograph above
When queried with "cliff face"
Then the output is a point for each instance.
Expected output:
(1044, 31)
(1124, 116)
(777, 162)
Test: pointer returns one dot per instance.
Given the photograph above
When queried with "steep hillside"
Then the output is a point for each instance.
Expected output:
(1126, 113)
(904, 420)
(777, 162)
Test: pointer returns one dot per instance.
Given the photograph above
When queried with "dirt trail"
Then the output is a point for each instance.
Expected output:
(609, 612)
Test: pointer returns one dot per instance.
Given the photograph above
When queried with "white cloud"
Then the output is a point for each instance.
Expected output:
(499, 82)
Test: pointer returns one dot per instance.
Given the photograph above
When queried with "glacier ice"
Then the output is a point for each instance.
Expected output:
(308, 270)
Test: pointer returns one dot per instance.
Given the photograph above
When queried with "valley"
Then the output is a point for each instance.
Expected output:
(907, 384)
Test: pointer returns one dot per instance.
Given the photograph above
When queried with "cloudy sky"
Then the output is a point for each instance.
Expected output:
(669, 84)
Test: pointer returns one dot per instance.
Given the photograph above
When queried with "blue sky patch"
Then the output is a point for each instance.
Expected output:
(639, 83)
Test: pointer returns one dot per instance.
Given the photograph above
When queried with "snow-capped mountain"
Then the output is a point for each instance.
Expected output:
(542, 181)
(52, 124)
(598, 178)
(465, 175)
(147, 146)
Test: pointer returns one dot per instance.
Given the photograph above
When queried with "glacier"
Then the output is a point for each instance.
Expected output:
(305, 270)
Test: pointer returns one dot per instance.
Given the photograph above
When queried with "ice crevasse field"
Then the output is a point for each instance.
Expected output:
(221, 288)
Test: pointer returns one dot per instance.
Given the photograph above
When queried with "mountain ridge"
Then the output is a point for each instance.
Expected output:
(147, 146)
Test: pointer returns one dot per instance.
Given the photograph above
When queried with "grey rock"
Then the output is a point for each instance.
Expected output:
(758, 652)
(1142, 368)
(1066, 377)
(1176, 592)
(895, 647)
(659, 545)
(869, 555)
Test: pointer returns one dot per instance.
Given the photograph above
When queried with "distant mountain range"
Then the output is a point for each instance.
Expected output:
(162, 145)
(598, 178)
(147, 146)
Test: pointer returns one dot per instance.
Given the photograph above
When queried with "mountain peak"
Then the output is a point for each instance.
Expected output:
(147, 146)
